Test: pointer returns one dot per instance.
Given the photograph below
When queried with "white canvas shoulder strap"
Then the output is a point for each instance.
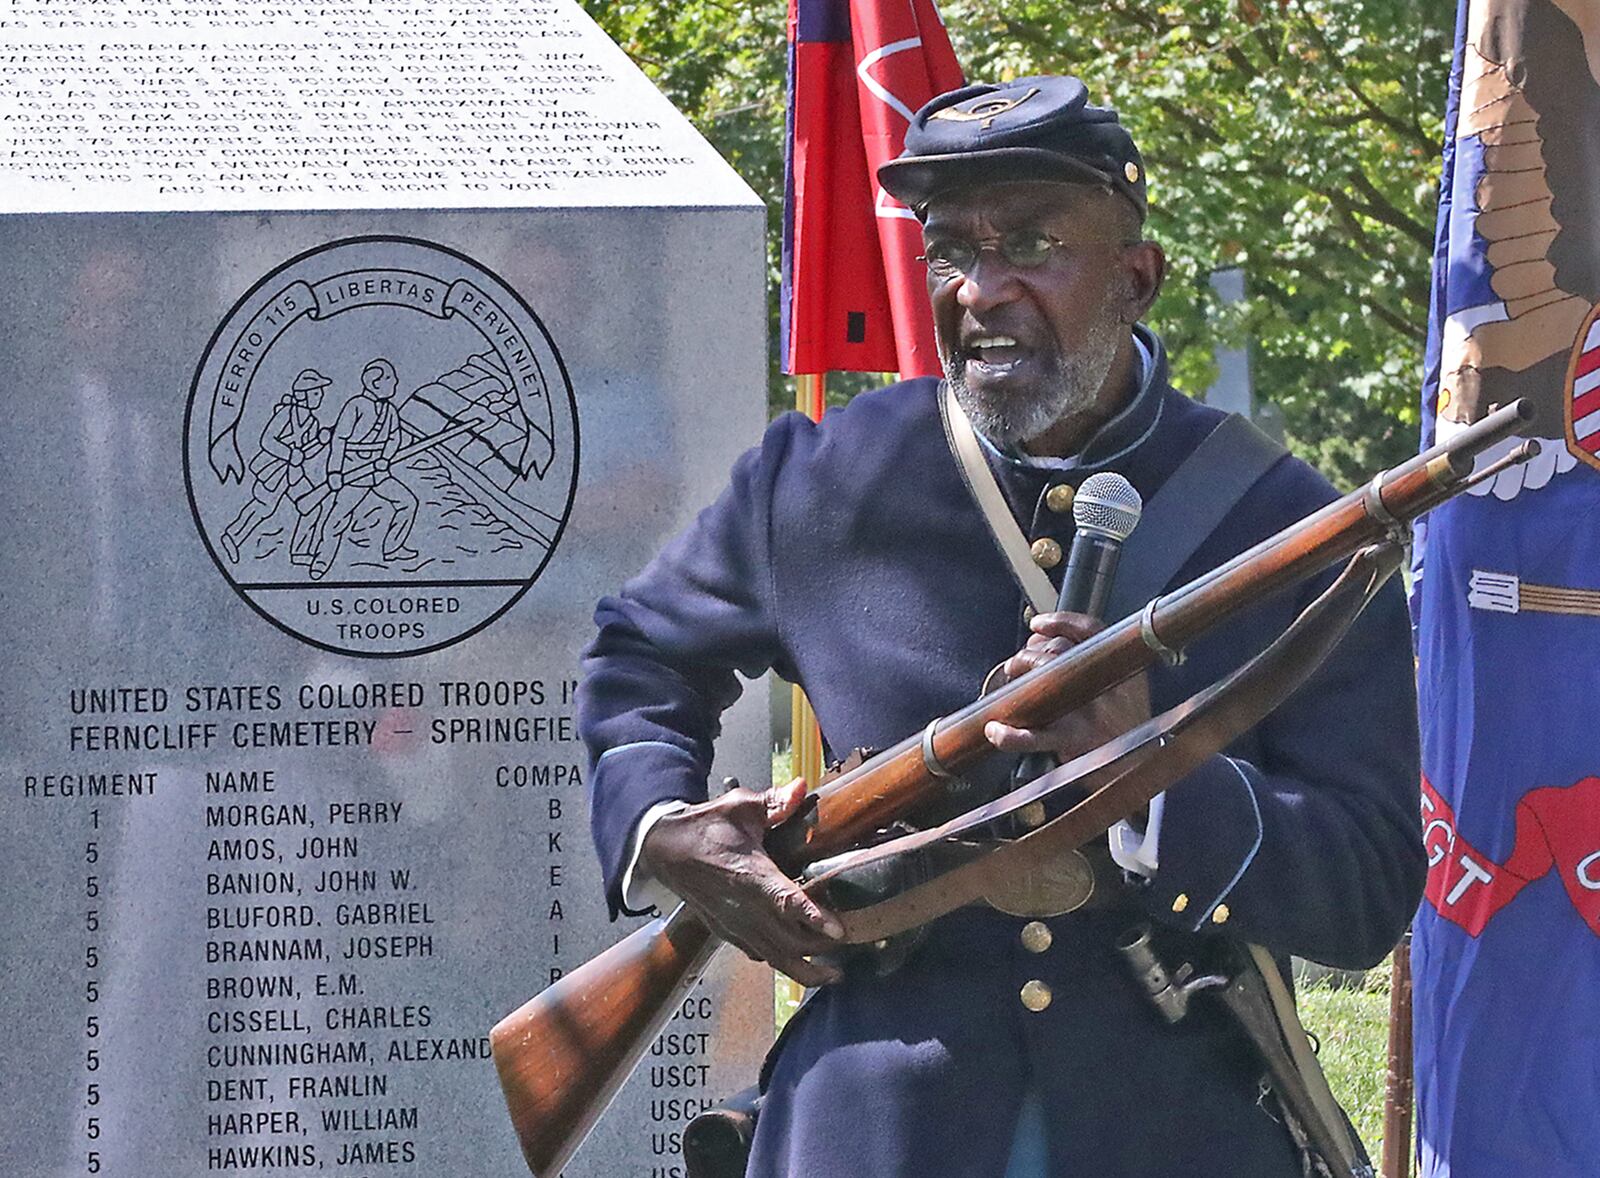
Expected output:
(1003, 527)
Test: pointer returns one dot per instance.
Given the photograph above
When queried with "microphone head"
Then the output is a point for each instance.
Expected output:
(1107, 505)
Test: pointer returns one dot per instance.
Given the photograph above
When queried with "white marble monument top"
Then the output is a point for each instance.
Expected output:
(213, 105)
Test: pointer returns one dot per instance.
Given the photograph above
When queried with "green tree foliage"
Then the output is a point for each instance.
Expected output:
(1298, 139)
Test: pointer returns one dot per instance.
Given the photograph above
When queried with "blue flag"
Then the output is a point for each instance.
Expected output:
(1506, 952)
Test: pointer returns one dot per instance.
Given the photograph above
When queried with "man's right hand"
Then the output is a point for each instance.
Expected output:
(711, 856)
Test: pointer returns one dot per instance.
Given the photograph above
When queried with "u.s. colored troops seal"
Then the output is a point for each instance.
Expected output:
(381, 446)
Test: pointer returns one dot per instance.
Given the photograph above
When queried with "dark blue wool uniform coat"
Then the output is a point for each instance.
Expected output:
(850, 557)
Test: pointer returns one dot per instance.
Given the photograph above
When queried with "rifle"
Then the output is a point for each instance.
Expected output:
(564, 1054)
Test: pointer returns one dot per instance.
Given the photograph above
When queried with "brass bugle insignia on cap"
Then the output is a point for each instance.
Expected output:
(986, 108)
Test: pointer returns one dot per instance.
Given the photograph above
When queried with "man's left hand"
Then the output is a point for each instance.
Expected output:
(1106, 718)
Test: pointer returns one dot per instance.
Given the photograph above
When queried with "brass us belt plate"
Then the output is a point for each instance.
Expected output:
(1062, 885)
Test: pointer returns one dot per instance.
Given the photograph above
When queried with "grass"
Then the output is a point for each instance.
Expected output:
(1352, 1024)
(1350, 1021)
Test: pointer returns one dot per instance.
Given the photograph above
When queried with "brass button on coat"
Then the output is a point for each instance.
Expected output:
(1181, 902)
(1059, 498)
(1036, 936)
(1031, 815)
(1036, 995)
(1220, 914)
(1046, 553)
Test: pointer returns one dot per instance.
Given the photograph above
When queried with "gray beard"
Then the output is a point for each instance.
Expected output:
(1072, 386)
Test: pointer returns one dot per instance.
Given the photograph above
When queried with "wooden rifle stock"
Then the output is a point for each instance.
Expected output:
(564, 1054)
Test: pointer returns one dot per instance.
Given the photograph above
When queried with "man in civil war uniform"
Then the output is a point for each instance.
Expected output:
(851, 556)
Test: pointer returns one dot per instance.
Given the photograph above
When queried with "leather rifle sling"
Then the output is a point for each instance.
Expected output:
(1188, 507)
(1125, 771)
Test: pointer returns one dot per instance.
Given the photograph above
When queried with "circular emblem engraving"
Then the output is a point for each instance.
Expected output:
(381, 447)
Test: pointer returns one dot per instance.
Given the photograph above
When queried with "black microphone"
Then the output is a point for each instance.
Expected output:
(1106, 510)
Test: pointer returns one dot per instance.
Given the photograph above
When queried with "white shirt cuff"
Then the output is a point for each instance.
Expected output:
(1136, 852)
(639, 888)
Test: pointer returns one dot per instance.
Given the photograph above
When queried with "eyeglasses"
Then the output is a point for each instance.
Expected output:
(1022, 249)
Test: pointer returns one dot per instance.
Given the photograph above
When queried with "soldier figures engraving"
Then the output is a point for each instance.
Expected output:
(364, 444)
(414, 477)
(293, 437)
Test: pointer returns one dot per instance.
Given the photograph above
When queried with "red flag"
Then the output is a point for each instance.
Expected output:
(854, 294)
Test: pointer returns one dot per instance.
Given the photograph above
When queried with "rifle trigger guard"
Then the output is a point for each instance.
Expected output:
(1147, 631)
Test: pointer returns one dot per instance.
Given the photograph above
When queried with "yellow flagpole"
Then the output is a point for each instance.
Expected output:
(810, 392)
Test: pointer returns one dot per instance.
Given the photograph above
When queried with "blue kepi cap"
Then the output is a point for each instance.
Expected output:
(1041, 128)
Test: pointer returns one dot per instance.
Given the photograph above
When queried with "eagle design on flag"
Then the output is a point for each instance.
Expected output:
(1523, 297)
